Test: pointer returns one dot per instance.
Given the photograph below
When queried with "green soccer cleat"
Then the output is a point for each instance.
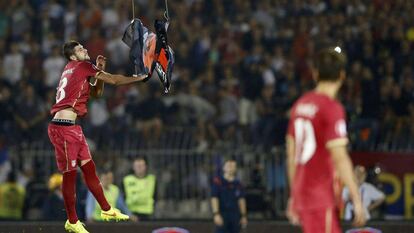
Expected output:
(114, 214)
(78, 227)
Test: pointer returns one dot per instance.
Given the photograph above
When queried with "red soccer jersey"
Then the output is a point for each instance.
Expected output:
(73, 89)
(316, 122)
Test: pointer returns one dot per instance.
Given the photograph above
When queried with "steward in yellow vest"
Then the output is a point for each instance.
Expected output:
(12, 197)
(140, 190)
(112, 194)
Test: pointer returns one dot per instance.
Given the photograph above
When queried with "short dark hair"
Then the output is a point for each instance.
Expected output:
(144, 158)
(330, 62)
(229, 159)
(68, 48)
(104, 170)
(12, 177)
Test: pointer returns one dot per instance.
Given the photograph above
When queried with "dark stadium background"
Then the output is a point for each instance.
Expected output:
(240, 64)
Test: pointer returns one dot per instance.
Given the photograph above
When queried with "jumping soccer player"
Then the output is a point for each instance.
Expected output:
(79, 80)
(316, 151)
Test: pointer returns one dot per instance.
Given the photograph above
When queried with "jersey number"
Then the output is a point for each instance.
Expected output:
(61, 89)
(305, 140)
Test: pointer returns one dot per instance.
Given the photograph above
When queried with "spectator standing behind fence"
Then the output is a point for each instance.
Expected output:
(140, 190)
(371, 196)
(54, 207)
(227, 200)
(13, 65)
(112, 194)
(11, 199)
(53, 67)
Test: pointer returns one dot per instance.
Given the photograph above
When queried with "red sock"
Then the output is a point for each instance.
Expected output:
(69, 195)
(94, 185)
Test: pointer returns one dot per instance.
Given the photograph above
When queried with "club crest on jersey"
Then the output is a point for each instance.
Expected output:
(73, 163)
(340, 128)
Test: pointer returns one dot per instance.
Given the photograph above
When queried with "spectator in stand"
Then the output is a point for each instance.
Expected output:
(117, 51)
(251, 86)
(150, 121)
(113, 195)
(90, 18)
(249, 44)
(13, 65)
(29, 114)
(6, 118)
(264, 130)
(4, 25)
(140, 190)
(32, 73)
(5, 163)
(53, 66)
(198, 110)
(12, 198)
(21, 15)
(96, 44)
(98, 119)
(228, 109)
(70, 20)
(53, 206)
(53, 16)
(265, 43)
(372, 198)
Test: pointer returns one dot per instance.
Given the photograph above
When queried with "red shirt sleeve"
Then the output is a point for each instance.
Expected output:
(335, 126)
(87, 69)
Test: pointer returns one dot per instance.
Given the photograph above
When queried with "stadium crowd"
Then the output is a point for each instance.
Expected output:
(239, 66)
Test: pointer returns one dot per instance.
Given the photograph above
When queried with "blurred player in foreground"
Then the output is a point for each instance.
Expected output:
(80, 79)
(316, 149)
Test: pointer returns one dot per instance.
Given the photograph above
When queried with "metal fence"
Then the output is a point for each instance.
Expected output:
(183, 172)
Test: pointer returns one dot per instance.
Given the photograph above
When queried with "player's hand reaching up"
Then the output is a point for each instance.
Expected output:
(101, 62)
(291, 214)
(359, 214)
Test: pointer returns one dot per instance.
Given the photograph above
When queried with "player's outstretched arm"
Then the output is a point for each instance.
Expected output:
(343, 167)
(118, 79)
